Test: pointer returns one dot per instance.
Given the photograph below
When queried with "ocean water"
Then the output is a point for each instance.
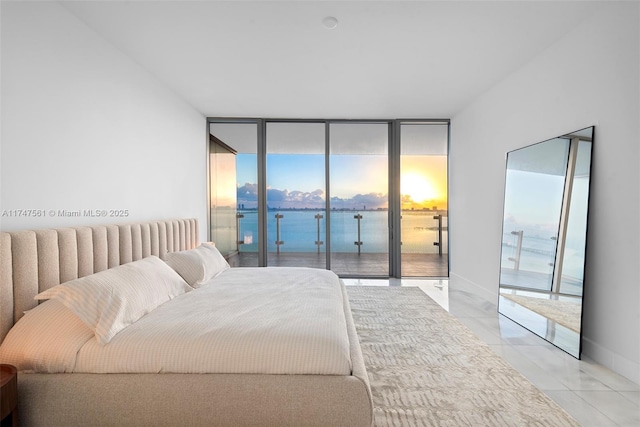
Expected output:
(298, 229)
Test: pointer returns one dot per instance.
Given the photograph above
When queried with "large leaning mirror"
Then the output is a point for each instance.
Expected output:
(544, 236)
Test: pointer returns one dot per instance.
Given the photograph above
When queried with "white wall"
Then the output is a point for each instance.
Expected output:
(84, 127)
(590, 77)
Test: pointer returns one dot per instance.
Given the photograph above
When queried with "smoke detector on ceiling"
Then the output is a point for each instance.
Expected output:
(330, 22)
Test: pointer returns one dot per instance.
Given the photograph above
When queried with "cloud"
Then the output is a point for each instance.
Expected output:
(361, 201)
(248, 196)
(248, 192)
(274, 195)
(294, 199)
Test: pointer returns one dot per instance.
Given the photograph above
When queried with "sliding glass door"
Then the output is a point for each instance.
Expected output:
(296, 194)
(359, 204)
(362, 198)
(423, 188)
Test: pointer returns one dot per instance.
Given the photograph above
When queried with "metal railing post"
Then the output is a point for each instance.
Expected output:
(439, 242)
(516, 259)
(278, 241)
(358, 243)
(319, 242)
(238, 240)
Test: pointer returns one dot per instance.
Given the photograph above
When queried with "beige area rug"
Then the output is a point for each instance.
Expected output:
(427, 369)
(565, 313)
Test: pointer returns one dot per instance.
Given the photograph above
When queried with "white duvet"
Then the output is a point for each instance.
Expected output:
(246, 320)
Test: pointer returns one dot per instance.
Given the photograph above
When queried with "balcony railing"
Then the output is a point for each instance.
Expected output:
(360, 232)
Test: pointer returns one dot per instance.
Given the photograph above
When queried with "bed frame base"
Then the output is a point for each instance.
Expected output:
(192, 400)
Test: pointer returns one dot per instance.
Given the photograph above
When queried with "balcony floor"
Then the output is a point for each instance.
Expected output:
(352, 264)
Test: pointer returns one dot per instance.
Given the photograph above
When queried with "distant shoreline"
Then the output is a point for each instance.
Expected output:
(270, 209)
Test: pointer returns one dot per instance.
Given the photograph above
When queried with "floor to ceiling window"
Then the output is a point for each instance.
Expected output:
(423, 188)
(360, 197)
(222, 170)
(295, 169)
(240, 240)
(359, 203)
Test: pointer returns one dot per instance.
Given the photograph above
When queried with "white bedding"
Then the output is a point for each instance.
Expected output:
(246, 320)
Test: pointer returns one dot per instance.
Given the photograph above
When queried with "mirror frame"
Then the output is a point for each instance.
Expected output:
(560, 323)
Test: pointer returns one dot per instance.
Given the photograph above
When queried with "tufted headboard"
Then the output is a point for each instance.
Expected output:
(32, 261)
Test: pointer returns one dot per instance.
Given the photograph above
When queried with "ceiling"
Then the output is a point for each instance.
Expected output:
(384, 59)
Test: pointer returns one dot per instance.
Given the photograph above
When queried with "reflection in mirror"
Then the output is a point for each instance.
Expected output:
(233, 178)
(544, 237)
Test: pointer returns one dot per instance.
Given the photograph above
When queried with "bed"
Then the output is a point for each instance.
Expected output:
(272, 387)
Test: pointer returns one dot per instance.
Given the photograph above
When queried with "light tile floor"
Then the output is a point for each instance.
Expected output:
(594, 395)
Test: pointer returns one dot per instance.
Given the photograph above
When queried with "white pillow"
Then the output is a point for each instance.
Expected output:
(46, 339)
(199, 265)
(113, 299)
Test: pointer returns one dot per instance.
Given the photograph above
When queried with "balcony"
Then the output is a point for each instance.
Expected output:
(359, 242)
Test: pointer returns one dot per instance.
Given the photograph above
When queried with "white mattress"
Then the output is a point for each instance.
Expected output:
(246, 320)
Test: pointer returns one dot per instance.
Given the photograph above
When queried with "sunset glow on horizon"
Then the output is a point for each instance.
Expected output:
(423, 182)
(418, 187)
(297, 181)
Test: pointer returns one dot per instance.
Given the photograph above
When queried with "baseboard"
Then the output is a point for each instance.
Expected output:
(460, 283)
(605, 357)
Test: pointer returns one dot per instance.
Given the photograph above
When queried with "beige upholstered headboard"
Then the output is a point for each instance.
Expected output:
(32, 261)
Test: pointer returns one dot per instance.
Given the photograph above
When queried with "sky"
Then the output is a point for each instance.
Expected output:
(533, 201)
(357, 181)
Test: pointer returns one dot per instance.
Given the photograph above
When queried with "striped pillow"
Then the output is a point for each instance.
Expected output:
(198, 266)
(113, 299)
(46, 339)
